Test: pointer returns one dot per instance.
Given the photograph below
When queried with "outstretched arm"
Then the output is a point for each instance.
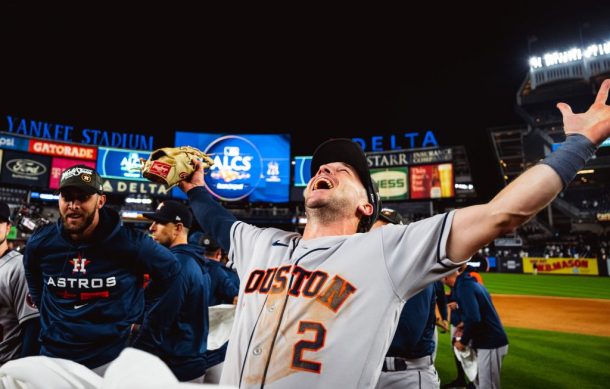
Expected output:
(475, 226)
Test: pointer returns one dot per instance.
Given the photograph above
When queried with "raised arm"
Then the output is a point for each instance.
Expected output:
(213, 218)
(475, 226)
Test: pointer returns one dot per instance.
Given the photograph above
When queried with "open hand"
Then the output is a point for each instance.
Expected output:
(595, 123)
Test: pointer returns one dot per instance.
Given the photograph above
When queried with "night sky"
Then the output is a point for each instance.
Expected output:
(349, 72)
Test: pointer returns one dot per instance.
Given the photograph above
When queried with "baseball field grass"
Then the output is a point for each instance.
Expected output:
(545, 359)
(548, 285)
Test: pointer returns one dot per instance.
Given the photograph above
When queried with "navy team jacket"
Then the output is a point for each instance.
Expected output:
(414, 336)
(183, 343)
(481, 322)
(89, 293)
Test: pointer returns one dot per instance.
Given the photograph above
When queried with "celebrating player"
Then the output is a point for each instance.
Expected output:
(85, 274)
(313, 309)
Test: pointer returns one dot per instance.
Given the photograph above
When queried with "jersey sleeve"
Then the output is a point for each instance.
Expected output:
(23, 304)
(213, 218)
(415, 255)
(33, 272)
(251, 244)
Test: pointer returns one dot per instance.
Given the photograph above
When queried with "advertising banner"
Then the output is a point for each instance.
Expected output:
(121, 164)
(25, 169)
(431, 181)
(393, 183)
(135, 187)
(574, 266)
(10, 142)
(62, 150)
(58, 165)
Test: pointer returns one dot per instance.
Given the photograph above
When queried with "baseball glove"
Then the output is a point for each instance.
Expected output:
(170, 165)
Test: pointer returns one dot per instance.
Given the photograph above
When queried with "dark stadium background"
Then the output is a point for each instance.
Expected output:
(311, 72)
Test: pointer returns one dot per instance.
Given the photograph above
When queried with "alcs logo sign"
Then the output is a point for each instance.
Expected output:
(237, 168)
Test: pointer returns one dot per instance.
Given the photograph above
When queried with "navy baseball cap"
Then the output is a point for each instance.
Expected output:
(81, 177)
(171, 211)
(5, 212)
(391, 216)
(347, 151)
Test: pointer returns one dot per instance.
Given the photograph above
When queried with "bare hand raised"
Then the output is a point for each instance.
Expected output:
(595, 123)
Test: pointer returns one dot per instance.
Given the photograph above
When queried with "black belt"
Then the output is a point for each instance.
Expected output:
(399, 365)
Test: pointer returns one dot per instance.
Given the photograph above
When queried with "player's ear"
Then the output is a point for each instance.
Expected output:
(365, 209)
(101, 200)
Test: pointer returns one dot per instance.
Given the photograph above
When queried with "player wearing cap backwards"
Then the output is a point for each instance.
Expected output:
(19, 323)
(85, 274)
(183, 343)
(409, 362)
(313, 309)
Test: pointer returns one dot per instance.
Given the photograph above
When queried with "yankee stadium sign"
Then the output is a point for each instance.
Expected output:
(237, 168)
(68, 133)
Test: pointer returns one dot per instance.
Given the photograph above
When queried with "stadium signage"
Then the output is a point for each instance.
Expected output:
(67, 133)
(133, 187)
(387, 159)
(408, 140)
(393, 183)
(13, 143)
(237, 169)
(62, 150)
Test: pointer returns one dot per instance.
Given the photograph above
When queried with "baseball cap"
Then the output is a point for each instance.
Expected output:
(171, 211)
(347, 151)
(208, 243)
(82, 177)
(5, 212)
(391, 216)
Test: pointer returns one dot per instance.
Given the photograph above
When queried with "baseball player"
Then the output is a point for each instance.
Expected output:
(480, 328)
(85, 274)
(409, 362)
(225, 288)
(312, 308)
(19, 322)
(183, 343)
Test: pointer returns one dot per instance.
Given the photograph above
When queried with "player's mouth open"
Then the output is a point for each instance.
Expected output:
(73, 216)
(322, 183)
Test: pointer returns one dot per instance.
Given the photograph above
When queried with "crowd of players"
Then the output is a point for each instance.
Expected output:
(100, 286)
(173, 323)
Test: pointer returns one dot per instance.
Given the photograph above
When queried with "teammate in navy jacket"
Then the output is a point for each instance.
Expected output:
(183, 343)
(409, 361)
(481, 328)
(85, 274)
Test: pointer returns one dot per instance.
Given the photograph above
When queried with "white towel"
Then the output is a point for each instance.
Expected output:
(468, 359)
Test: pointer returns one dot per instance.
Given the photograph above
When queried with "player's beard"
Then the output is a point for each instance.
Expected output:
(81, 226)
(328, 211)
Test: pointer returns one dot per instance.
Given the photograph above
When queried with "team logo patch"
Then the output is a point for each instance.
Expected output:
(160, 169)
(85, 177)
(79, 265)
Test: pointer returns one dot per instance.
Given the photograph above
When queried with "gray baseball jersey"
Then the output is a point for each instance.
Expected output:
(16, 306)
(322, 312)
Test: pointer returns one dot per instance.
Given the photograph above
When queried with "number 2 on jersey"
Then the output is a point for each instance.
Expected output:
(298, 362)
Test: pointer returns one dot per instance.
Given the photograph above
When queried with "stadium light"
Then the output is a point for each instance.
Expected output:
(586, 171)
(571, 55)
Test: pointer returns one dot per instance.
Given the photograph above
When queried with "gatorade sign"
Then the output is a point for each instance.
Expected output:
(237, 169)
